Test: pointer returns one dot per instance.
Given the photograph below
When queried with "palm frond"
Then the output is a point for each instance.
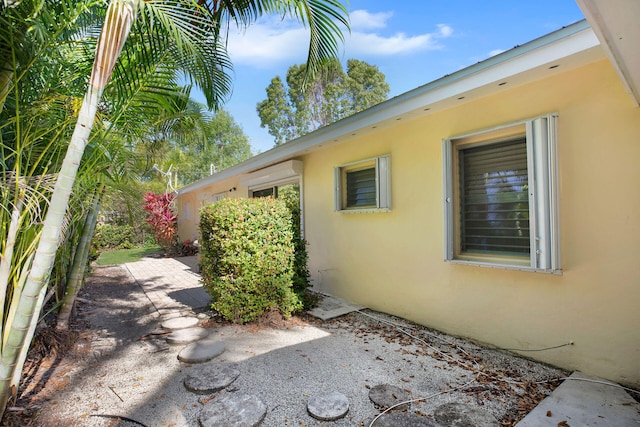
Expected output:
(188, 33)
(29, 194)
(324, 18)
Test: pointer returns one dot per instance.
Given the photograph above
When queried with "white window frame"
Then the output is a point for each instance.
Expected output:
(382, 165)
(542, 165)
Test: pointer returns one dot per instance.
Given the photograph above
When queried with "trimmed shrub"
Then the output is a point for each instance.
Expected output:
(290, 194)
(109, 236)
(248, 258)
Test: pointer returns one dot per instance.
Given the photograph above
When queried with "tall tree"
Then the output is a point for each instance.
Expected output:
(193, 142)
(195, 29)
(216, 143)
(294, 109)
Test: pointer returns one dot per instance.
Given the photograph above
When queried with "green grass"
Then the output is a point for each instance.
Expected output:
(125, 255)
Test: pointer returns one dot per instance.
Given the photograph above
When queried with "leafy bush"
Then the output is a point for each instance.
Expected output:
(291, 196)
(247, 255)
(162, 219)
(109, 236)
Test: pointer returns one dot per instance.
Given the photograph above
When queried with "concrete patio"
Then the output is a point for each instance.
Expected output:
(173, 286)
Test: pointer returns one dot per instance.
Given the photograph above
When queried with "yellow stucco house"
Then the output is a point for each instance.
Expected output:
(500, 203)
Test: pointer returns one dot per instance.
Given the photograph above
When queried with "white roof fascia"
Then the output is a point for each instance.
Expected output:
(615, 22)
(560, 44)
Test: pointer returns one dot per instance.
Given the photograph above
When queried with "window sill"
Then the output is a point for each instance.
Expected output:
(364, 211)
(503, 266)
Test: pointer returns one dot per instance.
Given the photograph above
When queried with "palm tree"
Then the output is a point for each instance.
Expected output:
(195, 31)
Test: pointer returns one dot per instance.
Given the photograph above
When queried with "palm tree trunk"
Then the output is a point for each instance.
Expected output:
(22, 356)
(78, 268)
(118, 22)
(17, 335)
(7, 257)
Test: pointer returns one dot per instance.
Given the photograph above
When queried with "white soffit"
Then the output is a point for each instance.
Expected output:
(617, 25)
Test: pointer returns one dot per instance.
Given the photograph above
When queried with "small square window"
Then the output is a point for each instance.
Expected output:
(501, 196)
(363, 186)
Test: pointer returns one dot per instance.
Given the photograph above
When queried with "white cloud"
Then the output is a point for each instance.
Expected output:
(445, 30)
(269, 43)
(496, 52)
(370, 43)
(364, 20)
(274, 42)
(400, 43)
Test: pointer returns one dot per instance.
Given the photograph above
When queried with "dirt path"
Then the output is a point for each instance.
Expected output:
(112, 314)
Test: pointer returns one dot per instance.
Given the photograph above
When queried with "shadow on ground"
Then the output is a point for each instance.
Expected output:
(122, 368)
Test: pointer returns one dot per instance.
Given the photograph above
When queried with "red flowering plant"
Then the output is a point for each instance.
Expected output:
(162, 219)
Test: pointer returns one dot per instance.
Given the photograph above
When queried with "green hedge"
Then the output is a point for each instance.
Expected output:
(109, 236)
(248, 258)
(290, 194)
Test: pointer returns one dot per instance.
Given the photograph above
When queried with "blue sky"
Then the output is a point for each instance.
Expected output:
(413, 42)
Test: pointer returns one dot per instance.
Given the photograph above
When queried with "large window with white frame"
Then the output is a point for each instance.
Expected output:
(363, 186)
(501, 196)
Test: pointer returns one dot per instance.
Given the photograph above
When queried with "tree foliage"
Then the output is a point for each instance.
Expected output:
(299, 107)
(216, 140)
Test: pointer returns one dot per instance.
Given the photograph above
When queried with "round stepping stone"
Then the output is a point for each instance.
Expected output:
(214, 378)
(185, 336)
(456, 414)
(179, 323)
(403, 419)
(233, 410)
(201, 351)
(385, 396)
(329, 407)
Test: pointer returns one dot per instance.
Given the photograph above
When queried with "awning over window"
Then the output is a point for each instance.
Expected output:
(273, 175)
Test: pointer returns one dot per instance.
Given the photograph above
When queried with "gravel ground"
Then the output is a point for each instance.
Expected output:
(119, 368)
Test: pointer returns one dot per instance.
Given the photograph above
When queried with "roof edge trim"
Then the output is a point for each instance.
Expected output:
(404, 102)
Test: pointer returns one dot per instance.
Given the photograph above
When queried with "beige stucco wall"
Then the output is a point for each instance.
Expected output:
(393, 262)
(189, 204)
